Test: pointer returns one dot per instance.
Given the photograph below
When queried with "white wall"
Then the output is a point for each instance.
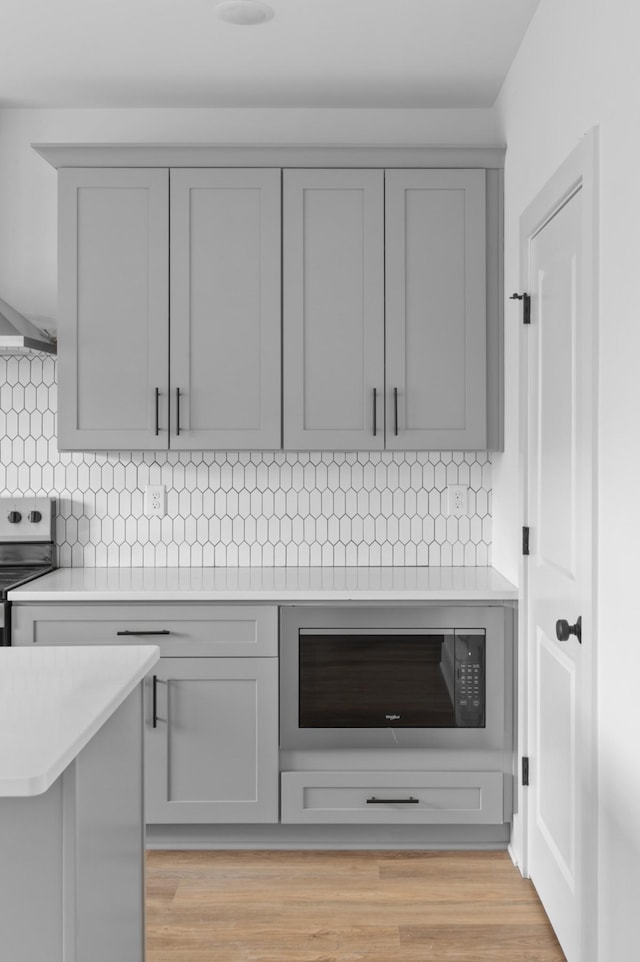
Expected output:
(28, 184)
(577, 68)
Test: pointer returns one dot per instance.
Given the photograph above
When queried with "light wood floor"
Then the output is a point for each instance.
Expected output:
(343, 907)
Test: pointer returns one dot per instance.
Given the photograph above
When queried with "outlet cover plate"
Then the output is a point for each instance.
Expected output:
(155, 501)
(457, 500)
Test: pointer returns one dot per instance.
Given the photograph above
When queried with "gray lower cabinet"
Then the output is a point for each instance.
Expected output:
(393, 797)
(212, 748)
(196, 631)
(385, 309)
(139, 248)
(211, 742)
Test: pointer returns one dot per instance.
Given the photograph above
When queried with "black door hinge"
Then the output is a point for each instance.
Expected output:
(525, 770)
(526, 306)
(525, 541)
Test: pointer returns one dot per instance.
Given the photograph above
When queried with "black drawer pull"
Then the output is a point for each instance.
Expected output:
(160, 631)
(393, 801)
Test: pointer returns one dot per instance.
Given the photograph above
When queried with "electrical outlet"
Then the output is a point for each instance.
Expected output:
(155, 501)
(457, 500)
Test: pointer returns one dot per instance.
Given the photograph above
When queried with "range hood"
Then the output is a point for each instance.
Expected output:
(20, 336)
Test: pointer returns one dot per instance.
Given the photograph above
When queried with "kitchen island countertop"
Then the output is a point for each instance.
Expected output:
(53, 700)
(277, 585)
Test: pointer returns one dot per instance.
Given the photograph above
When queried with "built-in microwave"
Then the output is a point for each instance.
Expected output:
(379, 677)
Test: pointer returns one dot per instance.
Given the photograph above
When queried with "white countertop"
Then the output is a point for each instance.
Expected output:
(53, 701)
(285, 585)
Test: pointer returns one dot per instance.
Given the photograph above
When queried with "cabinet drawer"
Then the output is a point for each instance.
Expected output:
(452, 798)
(178, 630)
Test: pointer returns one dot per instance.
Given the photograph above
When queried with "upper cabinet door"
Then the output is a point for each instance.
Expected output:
(113, 309)
(436, 309)
(333, 309)
(225, 309)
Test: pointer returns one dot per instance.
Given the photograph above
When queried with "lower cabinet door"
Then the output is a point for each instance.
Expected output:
(212, 741)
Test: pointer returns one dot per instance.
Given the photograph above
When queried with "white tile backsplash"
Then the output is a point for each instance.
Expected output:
(238, 509)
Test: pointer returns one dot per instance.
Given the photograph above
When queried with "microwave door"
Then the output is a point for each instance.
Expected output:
(377, 679)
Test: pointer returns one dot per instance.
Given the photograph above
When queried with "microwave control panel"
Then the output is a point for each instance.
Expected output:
(470, 680)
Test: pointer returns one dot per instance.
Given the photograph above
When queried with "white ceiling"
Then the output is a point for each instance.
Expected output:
(314, 53)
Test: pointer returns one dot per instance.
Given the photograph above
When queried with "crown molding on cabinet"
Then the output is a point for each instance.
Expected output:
(268, 155)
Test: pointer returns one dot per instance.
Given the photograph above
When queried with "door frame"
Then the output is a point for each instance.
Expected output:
(579, 171)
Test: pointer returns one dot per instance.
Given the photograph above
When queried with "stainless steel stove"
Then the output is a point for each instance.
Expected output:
(27, 548)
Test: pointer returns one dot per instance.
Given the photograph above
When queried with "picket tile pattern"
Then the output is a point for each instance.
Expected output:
(238, 508)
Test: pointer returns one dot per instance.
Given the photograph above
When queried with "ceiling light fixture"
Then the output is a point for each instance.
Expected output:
(244, 13)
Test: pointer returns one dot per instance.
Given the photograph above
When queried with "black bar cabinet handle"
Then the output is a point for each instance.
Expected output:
(177, 411)
(392, 801)
(159, 631)
(375, 412)
(395, 411)
(157, 410)
(154, 720)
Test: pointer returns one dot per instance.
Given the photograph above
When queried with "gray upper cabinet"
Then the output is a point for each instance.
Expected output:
(355, 307)
(220, 258)
(385, 309)
(113, 308)
(333, 309)
(225, 308)
(436, 334)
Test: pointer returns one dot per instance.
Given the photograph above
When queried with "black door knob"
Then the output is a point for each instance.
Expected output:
(564, 630)
(35, 516)
(14, 517)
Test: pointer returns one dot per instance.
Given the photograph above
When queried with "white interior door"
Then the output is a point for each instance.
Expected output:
(559, 513)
